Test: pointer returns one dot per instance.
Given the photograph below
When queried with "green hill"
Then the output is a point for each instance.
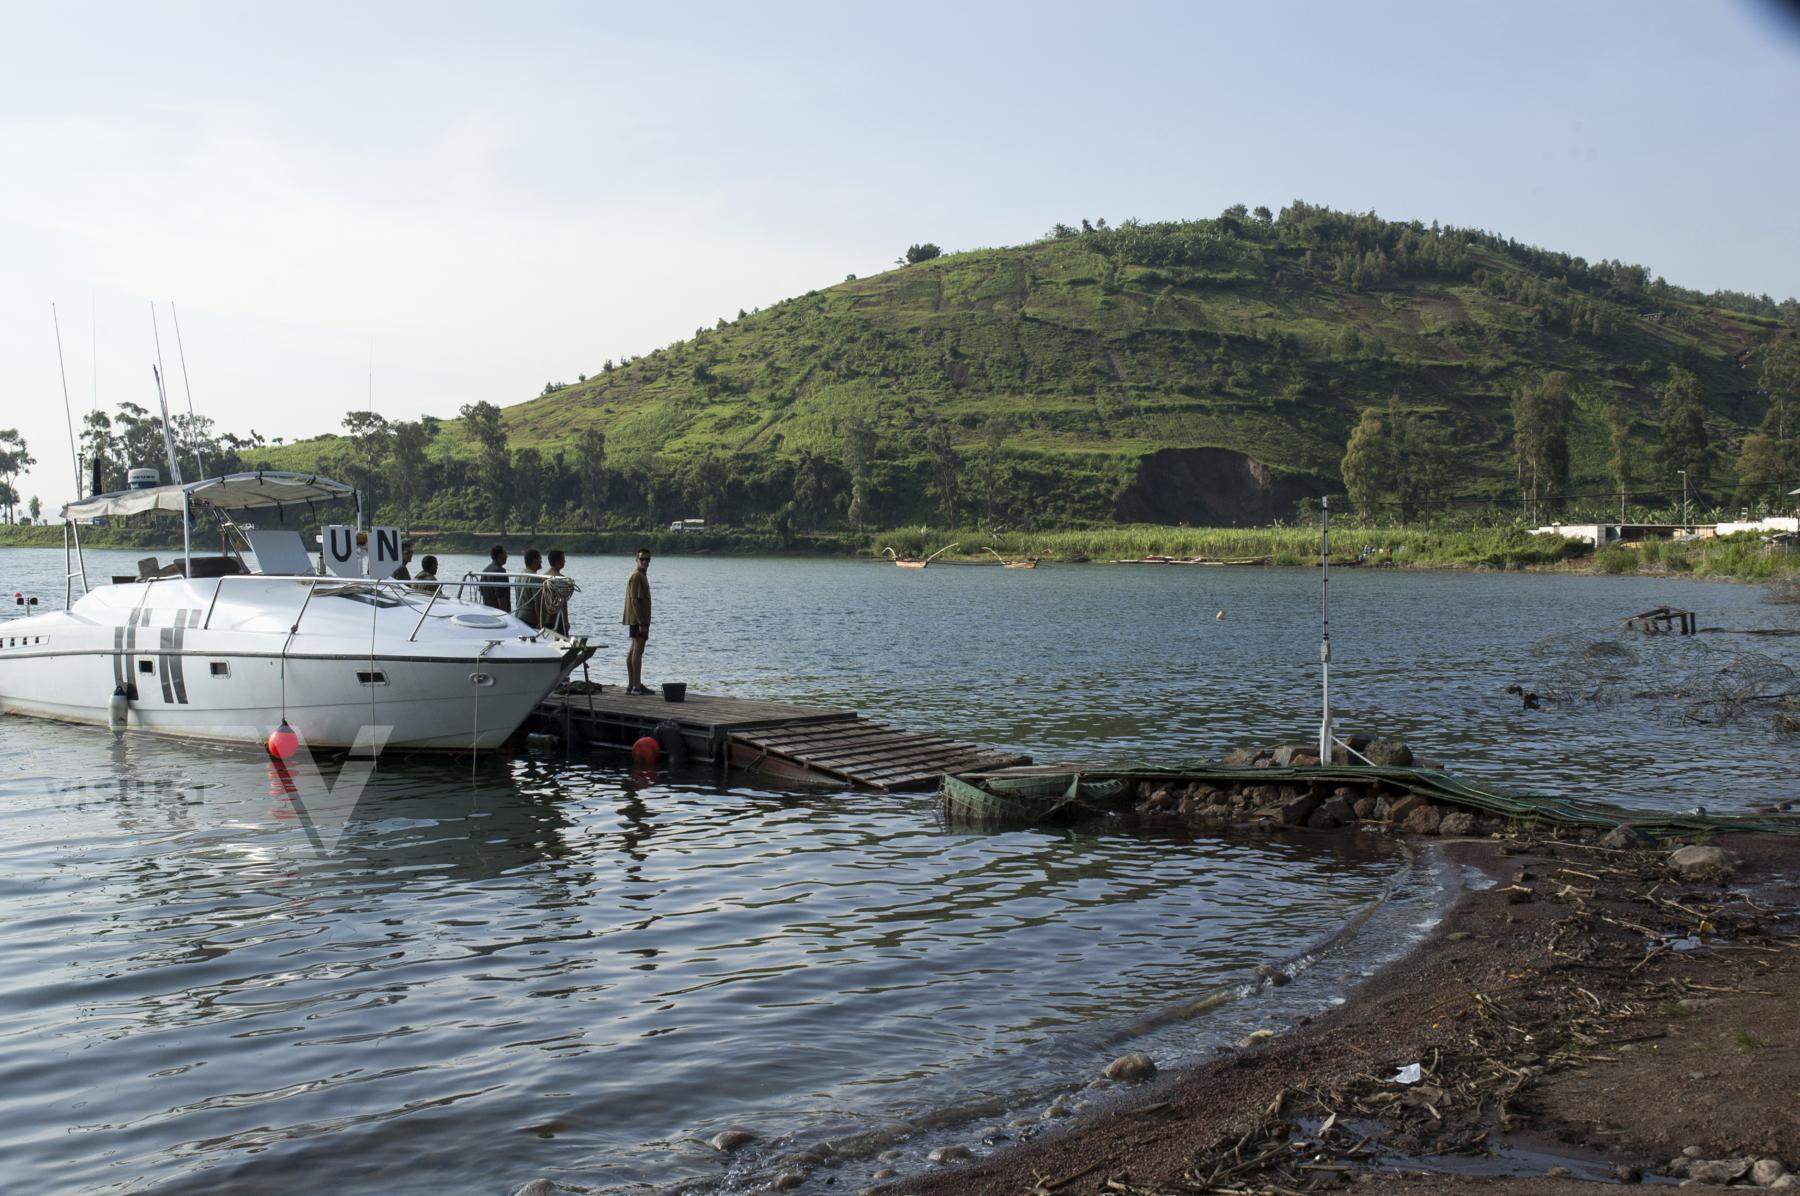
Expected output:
(1205, 372)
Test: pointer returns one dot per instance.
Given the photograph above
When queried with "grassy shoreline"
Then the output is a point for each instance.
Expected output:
(1737, 558)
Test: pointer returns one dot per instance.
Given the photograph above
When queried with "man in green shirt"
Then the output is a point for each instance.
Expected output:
(529, 608)
(637, 618)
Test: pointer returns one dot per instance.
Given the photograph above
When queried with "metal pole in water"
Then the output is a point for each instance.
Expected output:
(1325, 624)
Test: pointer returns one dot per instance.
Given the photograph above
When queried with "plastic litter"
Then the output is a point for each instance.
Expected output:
(1406, 1075)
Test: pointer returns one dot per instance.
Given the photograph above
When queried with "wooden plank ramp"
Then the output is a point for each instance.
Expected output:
(866, 754)
(805, 743)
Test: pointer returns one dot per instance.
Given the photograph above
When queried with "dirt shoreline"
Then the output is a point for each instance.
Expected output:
(1590, 1010)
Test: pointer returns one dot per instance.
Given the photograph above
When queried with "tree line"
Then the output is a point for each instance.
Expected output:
(1397, 462)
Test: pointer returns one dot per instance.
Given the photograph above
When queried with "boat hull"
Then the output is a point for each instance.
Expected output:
(414, 705)
(361, 679)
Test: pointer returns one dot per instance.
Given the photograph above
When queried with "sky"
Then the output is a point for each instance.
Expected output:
(438, 204)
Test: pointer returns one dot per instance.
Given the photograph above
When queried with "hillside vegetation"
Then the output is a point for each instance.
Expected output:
(1207, 372)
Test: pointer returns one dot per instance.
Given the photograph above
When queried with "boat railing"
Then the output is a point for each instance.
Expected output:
(405, 592)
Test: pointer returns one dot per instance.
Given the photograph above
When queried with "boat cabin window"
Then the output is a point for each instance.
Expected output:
(146, 666)
(371, 677)
(221, 668)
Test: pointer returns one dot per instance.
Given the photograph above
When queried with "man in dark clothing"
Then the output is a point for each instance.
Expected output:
(637, 619)
(497, 596)
(403, 573)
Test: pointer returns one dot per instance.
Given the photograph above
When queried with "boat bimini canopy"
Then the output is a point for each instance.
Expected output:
(265, 489)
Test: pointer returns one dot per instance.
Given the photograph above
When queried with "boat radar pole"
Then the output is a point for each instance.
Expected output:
(1325, 624)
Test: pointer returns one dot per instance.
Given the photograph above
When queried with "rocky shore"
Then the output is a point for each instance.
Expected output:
(1316, 805)
(1620, 1013)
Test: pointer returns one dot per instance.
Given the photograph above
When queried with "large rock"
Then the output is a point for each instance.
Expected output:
(950, 1154)
(1766, 1171)
(1283, 756)
(1295, 810)
(1131, 1069)
(1457, 822)
(726, 1141)
(1718, 1171)
(1364, 807)
(1396, 809)
(1423, 819)
(1243, 757)
(537, 1187)
(1626, 838)
(1389, 753)
(1702, 863)
(1332, 813)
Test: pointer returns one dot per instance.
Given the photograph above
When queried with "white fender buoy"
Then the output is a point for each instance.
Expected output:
(1220, 616)
(118, 710)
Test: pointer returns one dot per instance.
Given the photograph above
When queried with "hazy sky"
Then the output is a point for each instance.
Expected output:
(489, 197)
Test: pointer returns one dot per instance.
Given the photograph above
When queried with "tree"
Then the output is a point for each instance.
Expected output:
(528, 487)
(1771, 454)
(1685, 447)
(993, 435)
(486, 430)
(370, 442)
(857, 444)
(920, 253)
(1541, 414)
(14, 457)
(100, 447)
(704, 486)
(1423, 464)
(410, 463)
(1396, 460)
(590, 464)
(1618, 423)
(809, 501)
(1368, 465)
(946, 468)
(37, 508)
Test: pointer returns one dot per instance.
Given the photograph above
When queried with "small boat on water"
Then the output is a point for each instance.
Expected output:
(908, 562)
(1024, 563)
(1026, 800)
(230, 646)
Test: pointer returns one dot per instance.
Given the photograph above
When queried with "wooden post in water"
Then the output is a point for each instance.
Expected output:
(1325, 641)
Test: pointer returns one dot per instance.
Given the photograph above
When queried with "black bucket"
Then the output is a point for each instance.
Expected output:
(674, 691)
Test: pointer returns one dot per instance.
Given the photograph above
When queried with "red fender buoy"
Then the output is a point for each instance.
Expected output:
(645, 751)
(283, 743)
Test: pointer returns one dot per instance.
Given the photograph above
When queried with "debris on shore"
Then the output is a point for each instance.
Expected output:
(1504, 1048)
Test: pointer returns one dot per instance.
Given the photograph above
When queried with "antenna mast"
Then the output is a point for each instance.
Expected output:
(162, 397)
(68, 417)
(193, 424)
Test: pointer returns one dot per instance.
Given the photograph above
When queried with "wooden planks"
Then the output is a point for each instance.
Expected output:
(706, 714)
(868, 755)
(798, 742)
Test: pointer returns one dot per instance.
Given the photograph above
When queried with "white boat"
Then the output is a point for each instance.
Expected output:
(230, 646)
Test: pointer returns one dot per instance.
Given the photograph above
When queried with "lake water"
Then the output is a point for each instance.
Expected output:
(444, 977)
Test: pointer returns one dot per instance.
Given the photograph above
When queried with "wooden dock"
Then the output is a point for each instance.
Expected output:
(802, 743)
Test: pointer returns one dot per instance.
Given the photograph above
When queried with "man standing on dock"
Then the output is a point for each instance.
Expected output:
(637, 618)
